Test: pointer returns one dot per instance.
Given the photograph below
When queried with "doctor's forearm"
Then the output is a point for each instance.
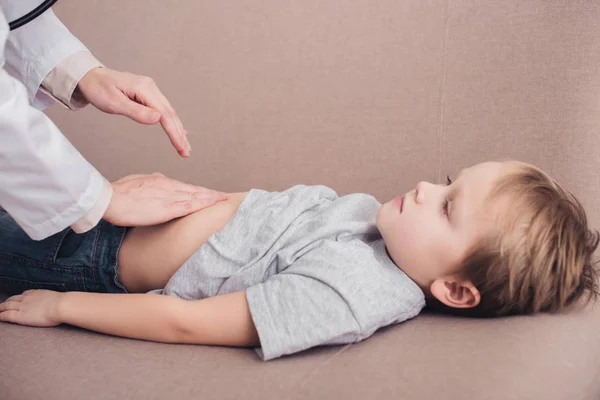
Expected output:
(139, 316)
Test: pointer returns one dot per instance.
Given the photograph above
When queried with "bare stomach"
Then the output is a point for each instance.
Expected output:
(150, 255)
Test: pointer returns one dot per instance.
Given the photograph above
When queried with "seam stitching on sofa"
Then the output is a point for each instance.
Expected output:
(443, 90)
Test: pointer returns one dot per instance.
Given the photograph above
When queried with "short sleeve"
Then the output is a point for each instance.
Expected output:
(294, 312)
(335, 293)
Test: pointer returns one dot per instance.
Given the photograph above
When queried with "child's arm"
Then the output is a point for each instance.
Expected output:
(220, 320)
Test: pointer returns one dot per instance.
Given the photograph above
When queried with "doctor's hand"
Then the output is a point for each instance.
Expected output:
(142, 200)
(136, 97)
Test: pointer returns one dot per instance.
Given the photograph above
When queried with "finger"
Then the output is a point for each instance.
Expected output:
(9, 305)
(172, 201)
(220, 196)
(173, 115)
(177, 139)
(155, 176)
(156, 184)
(182, 208)
(194, 190)
(137, 112)
(170, 113)
(9, 316)
(153, 97)
(188, 187)
(16, 298)
(172, 126)
(174, 186)
(185, 134)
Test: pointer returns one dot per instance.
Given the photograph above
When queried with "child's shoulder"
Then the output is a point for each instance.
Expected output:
(327, 192)
(312, 190)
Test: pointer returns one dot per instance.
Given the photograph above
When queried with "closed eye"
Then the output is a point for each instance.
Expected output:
(447, 200)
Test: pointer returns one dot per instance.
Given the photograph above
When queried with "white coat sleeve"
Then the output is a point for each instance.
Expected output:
(62, 82)
(35, 49)
(45, 183)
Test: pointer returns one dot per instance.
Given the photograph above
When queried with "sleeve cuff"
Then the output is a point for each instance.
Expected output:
(94, 216)
(61, 82)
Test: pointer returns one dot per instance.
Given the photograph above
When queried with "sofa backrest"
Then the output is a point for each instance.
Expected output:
(363, 96)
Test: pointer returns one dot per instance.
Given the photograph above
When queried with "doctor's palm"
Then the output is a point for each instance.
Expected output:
(136, 97)
(142, 200)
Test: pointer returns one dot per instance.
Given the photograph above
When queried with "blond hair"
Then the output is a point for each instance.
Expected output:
(540, 259)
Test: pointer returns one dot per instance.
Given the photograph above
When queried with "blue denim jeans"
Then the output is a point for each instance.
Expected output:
(65, 261)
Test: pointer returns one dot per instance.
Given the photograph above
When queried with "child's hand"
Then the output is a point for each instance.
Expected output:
(33, 308)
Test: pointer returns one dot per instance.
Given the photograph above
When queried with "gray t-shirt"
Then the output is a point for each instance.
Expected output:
(313, 265)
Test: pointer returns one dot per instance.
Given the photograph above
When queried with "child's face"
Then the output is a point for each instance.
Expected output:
(429, 230)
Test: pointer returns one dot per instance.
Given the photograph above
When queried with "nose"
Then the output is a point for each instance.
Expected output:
(421, 189)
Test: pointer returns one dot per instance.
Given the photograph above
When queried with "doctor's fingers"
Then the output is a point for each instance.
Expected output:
(141, 177)
(128, 178)
(184, 206)
(159, 186)
(149, 94)
(138, 112)
(176, 188)
(141, 180)
(163, 182)
(183, 197)
(192, 189)
(208, 194)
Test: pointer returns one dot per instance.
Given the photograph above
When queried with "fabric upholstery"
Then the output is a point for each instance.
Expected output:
(363, 96)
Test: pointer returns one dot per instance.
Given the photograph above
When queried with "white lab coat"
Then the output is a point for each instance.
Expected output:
(45, 183)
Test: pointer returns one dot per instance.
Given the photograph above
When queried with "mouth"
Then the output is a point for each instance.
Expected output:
(399, 203)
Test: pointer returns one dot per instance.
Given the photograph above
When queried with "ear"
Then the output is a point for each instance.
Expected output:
(455, 292)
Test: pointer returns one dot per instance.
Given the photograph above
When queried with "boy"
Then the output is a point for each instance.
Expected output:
(290, 270)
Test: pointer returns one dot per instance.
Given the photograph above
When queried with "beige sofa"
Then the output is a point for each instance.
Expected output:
(363, 96)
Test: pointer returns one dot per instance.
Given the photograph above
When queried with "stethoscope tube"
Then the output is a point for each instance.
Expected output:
(30, 16)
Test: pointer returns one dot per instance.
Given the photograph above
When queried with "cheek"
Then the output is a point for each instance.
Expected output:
(405, 235)
(413, 236)
(419, 237)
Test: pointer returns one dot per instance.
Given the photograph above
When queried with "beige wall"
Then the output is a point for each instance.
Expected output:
(361, 95)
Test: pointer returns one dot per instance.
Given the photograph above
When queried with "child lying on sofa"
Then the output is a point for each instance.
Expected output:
(286, 271)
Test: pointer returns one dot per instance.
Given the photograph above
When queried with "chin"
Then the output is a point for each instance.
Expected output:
(378, 216)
